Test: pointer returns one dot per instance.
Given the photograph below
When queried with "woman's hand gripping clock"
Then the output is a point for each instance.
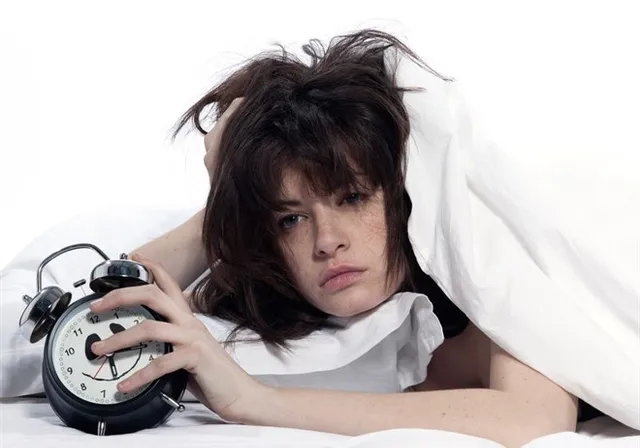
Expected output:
(220, 383)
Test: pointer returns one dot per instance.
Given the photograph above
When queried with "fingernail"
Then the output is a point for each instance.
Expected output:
(97, 346)
(123, 385)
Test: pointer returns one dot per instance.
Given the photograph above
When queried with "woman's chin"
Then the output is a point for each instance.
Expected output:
(352, 305)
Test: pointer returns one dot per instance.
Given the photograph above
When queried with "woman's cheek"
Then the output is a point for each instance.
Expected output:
(294, 257)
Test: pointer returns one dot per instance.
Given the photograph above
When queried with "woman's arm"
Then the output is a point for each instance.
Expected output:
(180, 251)
(521, 405)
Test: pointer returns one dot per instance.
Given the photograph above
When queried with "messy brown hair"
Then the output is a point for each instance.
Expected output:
(334, 119)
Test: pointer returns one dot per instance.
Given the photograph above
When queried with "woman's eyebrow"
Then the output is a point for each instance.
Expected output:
(289, 202)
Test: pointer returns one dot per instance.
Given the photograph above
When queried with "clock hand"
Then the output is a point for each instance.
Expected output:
(94, 376)
(112, 364)
(133, 347)
(115, 328)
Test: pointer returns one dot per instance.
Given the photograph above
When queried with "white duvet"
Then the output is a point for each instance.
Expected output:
(30, 423)
(539, 250)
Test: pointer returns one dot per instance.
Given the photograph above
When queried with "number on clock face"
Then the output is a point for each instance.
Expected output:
(94, 378)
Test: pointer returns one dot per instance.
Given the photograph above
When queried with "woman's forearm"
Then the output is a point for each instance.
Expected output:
(180, 251)
(484, 413)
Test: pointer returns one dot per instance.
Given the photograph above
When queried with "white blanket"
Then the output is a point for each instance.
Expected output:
(541, 252)
(30, 423)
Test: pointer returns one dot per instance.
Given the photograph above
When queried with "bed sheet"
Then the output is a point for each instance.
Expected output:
(31, 423)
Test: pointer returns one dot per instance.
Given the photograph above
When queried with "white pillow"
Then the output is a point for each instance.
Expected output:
(386, 350)
(545, 265)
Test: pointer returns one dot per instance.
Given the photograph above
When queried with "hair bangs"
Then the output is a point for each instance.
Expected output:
(330, 157)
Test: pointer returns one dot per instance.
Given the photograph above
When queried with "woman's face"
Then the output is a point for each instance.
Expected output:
(335, 246)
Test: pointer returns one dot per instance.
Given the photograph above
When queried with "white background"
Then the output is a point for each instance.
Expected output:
(89, 91)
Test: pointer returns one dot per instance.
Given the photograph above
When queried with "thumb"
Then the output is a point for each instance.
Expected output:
(163, 279)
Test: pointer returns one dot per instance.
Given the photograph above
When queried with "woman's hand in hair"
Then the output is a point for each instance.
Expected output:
(222, 384)
(213, 137)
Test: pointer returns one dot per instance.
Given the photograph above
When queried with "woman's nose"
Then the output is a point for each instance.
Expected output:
(330, 238)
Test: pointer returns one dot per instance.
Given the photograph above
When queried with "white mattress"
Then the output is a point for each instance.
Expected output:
(30, 423)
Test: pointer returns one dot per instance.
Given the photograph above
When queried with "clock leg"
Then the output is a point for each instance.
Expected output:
(171, 402)
(102, 428)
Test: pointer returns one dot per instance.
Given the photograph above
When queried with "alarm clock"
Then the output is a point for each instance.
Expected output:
(80, 386)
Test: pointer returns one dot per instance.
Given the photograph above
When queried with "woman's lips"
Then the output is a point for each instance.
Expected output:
(341, 281)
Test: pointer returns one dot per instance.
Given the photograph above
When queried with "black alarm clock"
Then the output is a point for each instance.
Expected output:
(80, 386)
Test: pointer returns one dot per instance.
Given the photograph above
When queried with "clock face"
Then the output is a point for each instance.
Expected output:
(92, 378)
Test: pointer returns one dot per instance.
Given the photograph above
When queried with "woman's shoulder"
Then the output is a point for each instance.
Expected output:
(461, 361)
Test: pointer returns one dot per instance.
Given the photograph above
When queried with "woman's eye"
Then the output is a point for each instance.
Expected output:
(353, 198)
(289, 221)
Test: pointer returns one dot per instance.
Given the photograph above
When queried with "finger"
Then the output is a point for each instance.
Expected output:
(212, 139)
(149, 295)
(163, 279)
(231, 108)
(157, 368)
(148, 330)
(209, 159)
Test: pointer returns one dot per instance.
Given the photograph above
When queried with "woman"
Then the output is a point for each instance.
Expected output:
(306, 219)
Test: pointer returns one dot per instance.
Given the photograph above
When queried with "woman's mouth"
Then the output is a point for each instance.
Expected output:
(339, 278)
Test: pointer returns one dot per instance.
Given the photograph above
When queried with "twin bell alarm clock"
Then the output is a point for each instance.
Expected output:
(80, 386)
